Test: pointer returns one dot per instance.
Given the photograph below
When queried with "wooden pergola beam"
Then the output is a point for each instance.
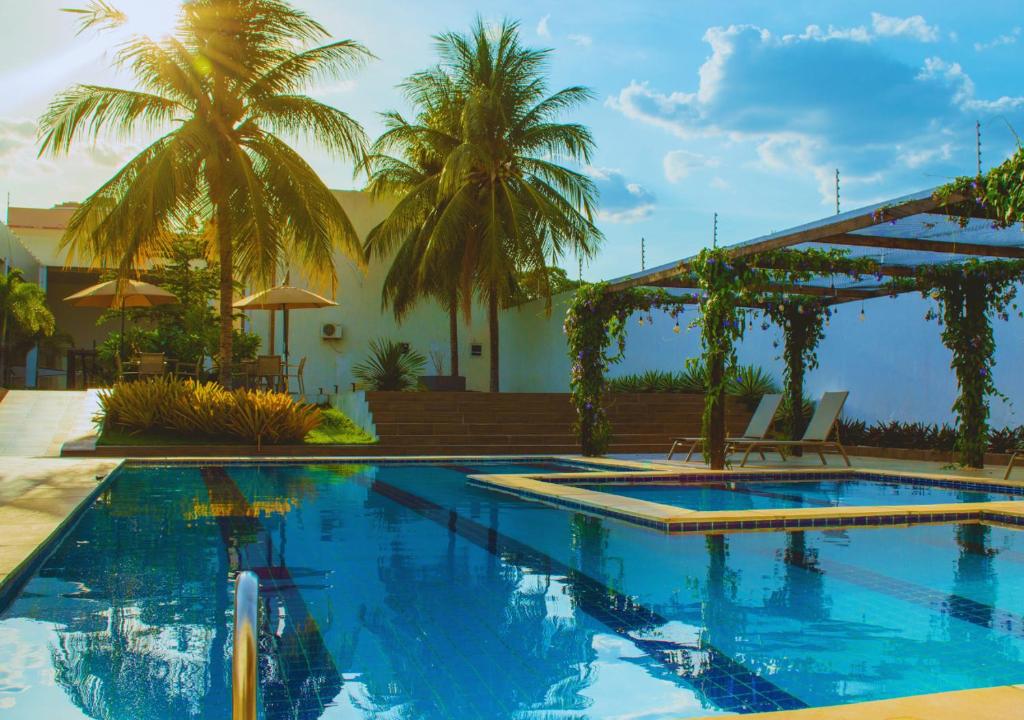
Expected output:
(809, 290)
(818, 233)
(936, 246)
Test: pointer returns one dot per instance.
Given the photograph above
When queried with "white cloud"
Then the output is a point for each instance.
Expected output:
(678, 164)
(719, 183)
(825, 99)
(622, 201)
(542, 27)
(1006, 39)
(582, 40)
(916, 158)
(914, 27)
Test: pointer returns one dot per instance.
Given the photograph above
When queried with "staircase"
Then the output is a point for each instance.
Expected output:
(471, 423)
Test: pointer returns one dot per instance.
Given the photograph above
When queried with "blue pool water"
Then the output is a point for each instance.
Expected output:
(402, 592)
(762, 494)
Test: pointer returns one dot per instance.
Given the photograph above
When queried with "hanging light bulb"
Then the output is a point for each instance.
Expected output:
(861, 316)
(640, 322)
(675, 328)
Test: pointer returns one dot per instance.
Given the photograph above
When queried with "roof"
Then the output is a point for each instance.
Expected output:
(901, 235)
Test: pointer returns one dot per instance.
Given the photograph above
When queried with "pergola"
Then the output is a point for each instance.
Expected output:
(902, 235)
(912, 243)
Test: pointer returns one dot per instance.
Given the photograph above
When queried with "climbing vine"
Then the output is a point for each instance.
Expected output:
(969, 296)
(727, 288)
(594, 324)
(997, 195)
(802, 320)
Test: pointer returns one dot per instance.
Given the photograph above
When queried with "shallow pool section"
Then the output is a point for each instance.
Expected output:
(824, 493)
(401, 591)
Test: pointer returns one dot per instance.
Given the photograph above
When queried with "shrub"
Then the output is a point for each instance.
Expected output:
(746, 382)
(206, 410)
(390, 366)
(749, 383)
(921, 436)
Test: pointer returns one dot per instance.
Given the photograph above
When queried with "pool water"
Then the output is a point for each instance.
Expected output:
(399, 591)
(763, 494)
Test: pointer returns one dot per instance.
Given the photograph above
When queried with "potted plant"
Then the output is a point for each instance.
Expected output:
(441, 380)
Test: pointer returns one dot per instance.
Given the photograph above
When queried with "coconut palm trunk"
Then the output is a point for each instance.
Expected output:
(493, 330)
(227, 293)
(453, 332)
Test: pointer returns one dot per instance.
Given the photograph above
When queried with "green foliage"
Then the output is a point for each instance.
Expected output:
(594, 322)
(541, 283)
(186, 331)
(336, 428)
(24, 316)
(390, 366)
(484, 197)
(969, 296)
(923, 436)
(997, 194)
(802, 320)
(220, 117)
(728, 286)
(748, 383)
(192, 410)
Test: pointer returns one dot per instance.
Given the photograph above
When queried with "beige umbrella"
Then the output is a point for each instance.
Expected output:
(122, 294)
(284, 298)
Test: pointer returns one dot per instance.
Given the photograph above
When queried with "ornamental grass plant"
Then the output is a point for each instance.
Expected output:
(196, 410)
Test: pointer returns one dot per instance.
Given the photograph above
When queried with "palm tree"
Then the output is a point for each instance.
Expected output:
(226, 84)
(501, 202)
(23, 312)
(405, 163)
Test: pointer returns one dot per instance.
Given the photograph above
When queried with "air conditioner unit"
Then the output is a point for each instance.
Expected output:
(330, 331)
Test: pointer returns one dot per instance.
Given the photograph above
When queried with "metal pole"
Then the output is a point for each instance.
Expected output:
(977, 138)
(243, 659)
(837, 191)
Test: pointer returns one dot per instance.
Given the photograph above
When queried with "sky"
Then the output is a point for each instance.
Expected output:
(745, 109)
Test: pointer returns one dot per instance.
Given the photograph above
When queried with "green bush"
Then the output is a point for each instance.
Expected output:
(921, 436)
(746, 382)
(390, 366)
(206, 410)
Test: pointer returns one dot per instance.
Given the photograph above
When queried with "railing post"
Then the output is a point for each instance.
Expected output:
(243, 660)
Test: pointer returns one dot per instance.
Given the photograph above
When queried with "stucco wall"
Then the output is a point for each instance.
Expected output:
(329, 363)
(893, 361)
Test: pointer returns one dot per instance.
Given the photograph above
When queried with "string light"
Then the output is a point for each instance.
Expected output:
(861, 316)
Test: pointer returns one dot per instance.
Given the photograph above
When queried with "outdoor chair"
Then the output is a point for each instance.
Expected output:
(151, 365)
(188, 371)
(269, 371)
(816, 438)
(299, 376)
(757, 429)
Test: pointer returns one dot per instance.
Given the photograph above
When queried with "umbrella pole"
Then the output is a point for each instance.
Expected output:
(284, 310)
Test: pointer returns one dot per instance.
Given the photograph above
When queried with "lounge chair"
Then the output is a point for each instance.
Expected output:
(816, 438)
(757, 429)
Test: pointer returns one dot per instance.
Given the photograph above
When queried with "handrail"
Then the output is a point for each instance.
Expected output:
(243, 660)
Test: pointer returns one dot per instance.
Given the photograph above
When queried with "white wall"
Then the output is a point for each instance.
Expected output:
(893, 361)
(329, 362)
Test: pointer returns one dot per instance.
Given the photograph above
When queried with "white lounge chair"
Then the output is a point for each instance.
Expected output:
(822, 424)
(757, 429)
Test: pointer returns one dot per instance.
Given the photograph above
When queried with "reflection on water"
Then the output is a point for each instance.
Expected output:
(399, 592)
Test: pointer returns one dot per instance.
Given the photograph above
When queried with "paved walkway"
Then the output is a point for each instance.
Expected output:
(35, 423)
(36, 497)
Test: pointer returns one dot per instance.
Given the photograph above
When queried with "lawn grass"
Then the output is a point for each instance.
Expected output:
(336, 429)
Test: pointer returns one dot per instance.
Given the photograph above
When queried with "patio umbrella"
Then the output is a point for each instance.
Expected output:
(122, 294)
(284, 298)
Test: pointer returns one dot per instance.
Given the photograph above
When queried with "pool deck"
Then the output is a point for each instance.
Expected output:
(37, 497)
(995, 703)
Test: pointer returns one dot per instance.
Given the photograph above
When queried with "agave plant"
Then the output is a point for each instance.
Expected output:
(390, 366)
(692, 379)
(749, 383)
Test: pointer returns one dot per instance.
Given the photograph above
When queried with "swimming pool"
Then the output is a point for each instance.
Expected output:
(401, 591)
(764, 494)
